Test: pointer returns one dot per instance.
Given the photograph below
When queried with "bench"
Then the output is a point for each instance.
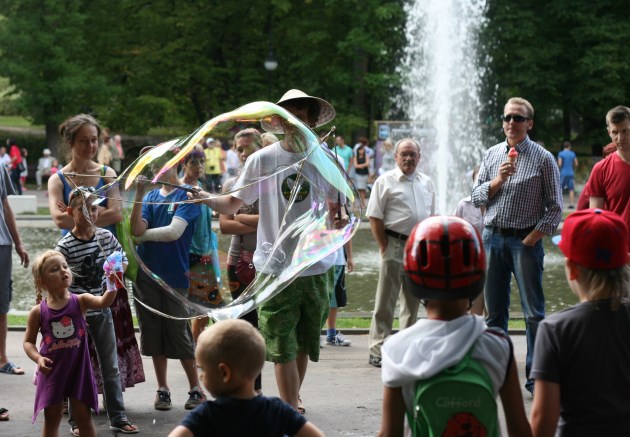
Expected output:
(23, 204)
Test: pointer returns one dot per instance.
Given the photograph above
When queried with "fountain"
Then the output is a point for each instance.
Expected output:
(441, 85)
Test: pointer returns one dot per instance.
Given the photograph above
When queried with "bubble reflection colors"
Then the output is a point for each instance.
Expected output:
(311, 181)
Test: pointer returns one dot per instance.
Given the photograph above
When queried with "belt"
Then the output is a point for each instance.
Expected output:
(510, 232)
(397, 235)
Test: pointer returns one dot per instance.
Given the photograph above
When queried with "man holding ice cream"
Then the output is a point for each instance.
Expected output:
(523, 200)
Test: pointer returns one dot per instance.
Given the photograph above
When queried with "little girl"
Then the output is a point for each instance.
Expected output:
(63, 362)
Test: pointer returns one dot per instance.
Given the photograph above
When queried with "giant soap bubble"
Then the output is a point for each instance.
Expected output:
(317, 219)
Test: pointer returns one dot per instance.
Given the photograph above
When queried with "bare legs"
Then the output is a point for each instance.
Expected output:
(160, 364)
(289, 377)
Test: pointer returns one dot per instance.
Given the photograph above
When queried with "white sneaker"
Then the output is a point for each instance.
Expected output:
(322, 340)
(338, 340)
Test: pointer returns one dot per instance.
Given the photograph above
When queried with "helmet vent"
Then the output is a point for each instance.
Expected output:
(445, 245)
(424, 253)
(466, 253)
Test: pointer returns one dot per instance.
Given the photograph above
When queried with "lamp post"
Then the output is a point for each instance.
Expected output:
(271, 63)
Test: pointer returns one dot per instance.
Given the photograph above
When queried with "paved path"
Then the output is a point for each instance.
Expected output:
(342, 393)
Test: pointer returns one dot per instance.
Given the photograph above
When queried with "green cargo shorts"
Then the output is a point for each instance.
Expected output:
(291, 321)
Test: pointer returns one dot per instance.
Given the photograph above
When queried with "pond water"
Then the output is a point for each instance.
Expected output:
(361, 284)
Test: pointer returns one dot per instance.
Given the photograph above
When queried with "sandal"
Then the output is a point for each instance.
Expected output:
(125, 427)
(300, 408)
(11, 369)
(74, 430)
(4, 414)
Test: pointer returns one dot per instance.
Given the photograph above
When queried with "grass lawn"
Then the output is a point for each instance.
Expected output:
(15, 121)
(342, 322)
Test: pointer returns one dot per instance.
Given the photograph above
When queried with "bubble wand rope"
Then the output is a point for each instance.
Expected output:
(337, 158)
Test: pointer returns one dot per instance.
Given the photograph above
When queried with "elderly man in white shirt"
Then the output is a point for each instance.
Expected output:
(400, 198)
(43, 167)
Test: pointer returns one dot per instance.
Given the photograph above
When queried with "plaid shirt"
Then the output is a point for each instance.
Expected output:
(531, 197)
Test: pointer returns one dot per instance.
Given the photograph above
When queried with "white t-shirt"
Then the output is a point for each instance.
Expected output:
(273, 193)
(400, 201)
(232, 161)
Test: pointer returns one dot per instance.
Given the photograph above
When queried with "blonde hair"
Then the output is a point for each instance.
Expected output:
(521, 101)
(250, 133)
(233, 342)
(606, 284)
(388, 145)
(268, 139)
(37, 269)
(69, 128)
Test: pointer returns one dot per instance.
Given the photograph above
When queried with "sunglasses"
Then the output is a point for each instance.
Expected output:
(516, 118)
(78, 191)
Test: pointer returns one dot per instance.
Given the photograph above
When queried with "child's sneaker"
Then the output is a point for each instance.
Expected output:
(338, 340)
(195, 397)
(162, 400)
(322, 340)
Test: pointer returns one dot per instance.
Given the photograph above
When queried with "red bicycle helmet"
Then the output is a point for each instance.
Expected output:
(444, 259)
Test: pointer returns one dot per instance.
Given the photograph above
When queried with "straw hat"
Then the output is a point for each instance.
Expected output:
(326, 111)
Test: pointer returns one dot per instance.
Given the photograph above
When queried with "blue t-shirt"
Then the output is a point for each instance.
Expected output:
(568, 157)
(168, 260)
(204, 240)
(345, 153)
(260, 416)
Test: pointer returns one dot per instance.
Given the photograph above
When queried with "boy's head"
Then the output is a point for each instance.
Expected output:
(229, 354)
(595, 243)
(444, 260)
(82, 200)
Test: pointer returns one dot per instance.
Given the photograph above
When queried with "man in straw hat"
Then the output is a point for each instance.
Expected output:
(290, 322)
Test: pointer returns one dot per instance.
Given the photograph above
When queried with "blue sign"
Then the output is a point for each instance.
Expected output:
(383, 131)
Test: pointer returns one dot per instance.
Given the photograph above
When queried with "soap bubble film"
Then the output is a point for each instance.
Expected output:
(300, 185)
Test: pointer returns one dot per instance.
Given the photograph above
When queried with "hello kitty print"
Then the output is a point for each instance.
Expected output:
(63, 334)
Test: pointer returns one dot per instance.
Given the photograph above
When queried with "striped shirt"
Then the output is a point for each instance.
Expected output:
(86, 259)
(532, 197)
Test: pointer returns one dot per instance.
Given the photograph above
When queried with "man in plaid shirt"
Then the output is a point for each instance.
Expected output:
(523, 202)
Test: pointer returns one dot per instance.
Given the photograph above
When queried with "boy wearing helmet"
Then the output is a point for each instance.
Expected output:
(445, 266)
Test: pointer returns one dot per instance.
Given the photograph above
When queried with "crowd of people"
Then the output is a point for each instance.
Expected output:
(459, 267)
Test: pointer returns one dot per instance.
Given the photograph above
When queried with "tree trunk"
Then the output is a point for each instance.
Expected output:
(52, 140)
(359, 99)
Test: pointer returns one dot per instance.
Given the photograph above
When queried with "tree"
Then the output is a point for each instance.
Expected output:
(48, 60)
(142, 64)
(566, 57)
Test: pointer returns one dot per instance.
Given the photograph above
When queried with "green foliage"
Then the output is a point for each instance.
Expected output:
(147, 65)
(47, 58)
(567, 57)
(170, 66)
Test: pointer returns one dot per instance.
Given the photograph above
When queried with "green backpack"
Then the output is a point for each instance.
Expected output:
(458, 401)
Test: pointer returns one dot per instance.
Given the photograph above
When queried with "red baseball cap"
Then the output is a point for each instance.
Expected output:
(595, 239)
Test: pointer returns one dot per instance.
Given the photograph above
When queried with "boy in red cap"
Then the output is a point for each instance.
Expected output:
(582, 354)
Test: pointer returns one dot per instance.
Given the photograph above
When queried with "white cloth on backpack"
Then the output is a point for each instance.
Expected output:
(430, 346)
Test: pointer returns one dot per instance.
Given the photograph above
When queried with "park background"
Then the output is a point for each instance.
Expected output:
(155, 69)
(152, 70)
